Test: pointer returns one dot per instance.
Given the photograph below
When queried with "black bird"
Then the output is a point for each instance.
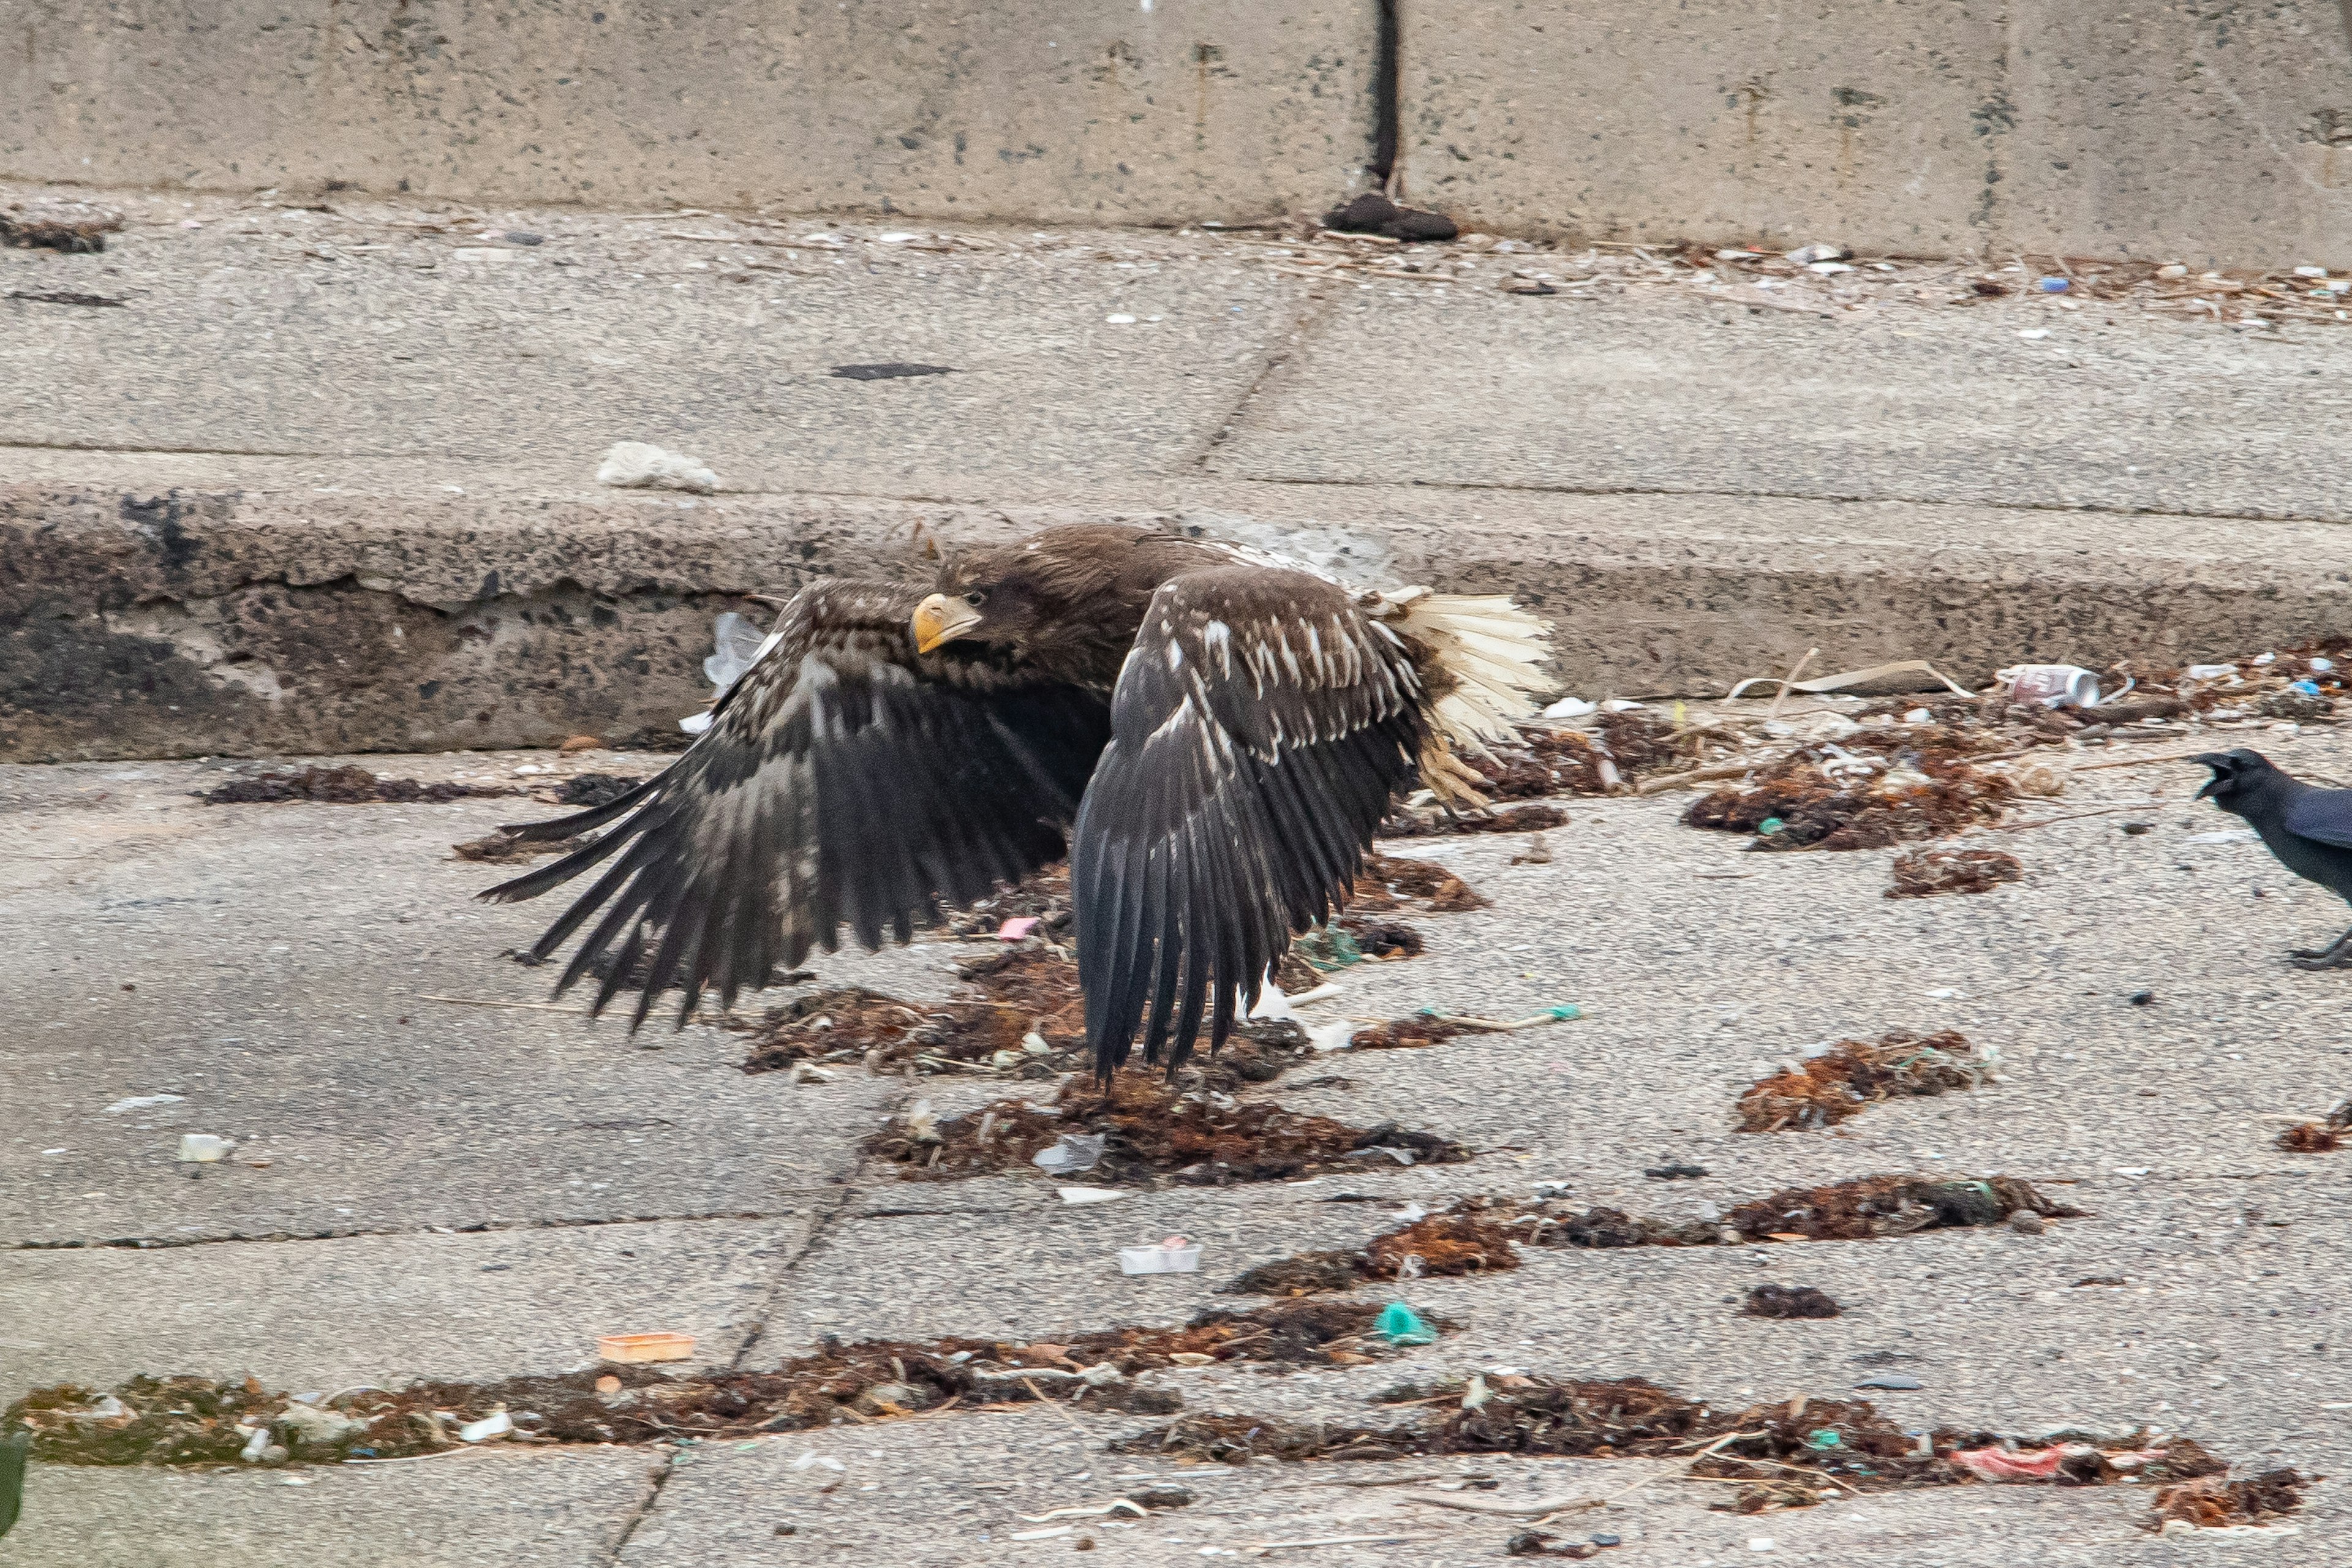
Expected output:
(2309, 829)
(1214, 733)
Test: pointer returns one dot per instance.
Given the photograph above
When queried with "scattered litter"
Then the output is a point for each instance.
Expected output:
(1570, 707)
(1891, 1382)
(337, 786)
(811, 1459)
(1016, 929)
(1400, 1325)
(2051, 685)
(1173, 1255)
(1788, 1302)
(71, 226)
(1852, 1074)
(1070, 1155)
(1151, 1133)
(640, 465)
(204, 1148)
(1089, 1194)
(660, 1346)
(497, 1423)
(1923, 873)
(1877, 680)
(142, 1101)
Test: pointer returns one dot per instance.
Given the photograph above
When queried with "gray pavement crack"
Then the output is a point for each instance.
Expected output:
(644, 1508)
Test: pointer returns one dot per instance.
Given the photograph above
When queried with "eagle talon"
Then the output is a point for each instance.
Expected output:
(2334, 958)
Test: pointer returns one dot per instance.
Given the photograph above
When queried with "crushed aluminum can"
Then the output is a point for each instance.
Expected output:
(2051, 686)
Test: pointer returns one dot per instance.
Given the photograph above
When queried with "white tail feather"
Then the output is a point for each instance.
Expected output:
(1490, 646)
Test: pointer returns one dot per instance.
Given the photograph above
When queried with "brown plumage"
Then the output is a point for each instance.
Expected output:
(1219, 732)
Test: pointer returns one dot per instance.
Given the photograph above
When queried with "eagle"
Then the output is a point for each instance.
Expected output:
(1210, 733)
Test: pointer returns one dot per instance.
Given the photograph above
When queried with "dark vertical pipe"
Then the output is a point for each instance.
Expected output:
(1385, 112)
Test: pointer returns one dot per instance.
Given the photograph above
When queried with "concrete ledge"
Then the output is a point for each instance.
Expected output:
(152, 619)
(1040, 111)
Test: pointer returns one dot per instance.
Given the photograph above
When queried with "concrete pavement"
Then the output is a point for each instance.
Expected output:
(274, 950)
(323, 480)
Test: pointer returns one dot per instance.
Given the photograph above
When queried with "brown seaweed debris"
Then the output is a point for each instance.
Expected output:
(1478, 1233)
(1411, 1033)
(1620, 749)
(351, 785)
(1826, 1089)
(2210, 1502)
(1151, 1133)
(1392, 882)
(195, 1421)
(1043, 896)
(1876, 790)
(1013, 1001)
(1870, 1206)
(1790, 1301)
(1923, 873)
(71, 226)
(1414, 824)
(1790, 1453)
(505, 848)
(2318, 1137)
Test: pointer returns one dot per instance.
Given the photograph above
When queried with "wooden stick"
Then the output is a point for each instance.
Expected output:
(1468, 1504)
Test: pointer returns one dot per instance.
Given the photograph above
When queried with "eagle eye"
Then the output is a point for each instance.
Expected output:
(976, 598)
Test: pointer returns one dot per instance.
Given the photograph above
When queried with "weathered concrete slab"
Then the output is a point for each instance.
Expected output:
(284, 959)
(566, 1511)
(2093, 412)
(366, 1309)
(1054, 112)
(386, 331)
(2211, 134)
(1785, 124)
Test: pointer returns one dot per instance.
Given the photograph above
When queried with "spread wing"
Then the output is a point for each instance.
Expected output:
(1260, 725)
(845, 779)
(2325, 815)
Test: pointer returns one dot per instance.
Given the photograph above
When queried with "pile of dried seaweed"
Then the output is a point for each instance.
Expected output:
(1792, 1453)
(1143, 1130)
(1478, 1235)
(195, 1421)
(1924, 873)
(2318, 1137)
(1872, 791)
(1825, 1089)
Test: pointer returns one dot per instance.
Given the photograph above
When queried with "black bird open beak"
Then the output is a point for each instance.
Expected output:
(939, 619)
(2220, 766)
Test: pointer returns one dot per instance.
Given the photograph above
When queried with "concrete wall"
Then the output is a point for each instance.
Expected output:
(2208, 131)
(1106, 110)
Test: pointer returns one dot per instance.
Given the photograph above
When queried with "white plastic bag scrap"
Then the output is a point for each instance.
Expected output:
(1070, 1155)
(641, 464)
(738, 646)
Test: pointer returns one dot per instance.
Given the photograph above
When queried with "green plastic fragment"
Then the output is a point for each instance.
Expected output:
(1824, 1437)
(1400, 1325)
(1567, 1012)
(1327, 948)
(1770, 826)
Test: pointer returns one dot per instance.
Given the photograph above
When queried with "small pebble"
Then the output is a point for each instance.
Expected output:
(2025, 1222)
(2142, 998)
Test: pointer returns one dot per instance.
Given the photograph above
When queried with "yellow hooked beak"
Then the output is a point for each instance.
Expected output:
(939, 619)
